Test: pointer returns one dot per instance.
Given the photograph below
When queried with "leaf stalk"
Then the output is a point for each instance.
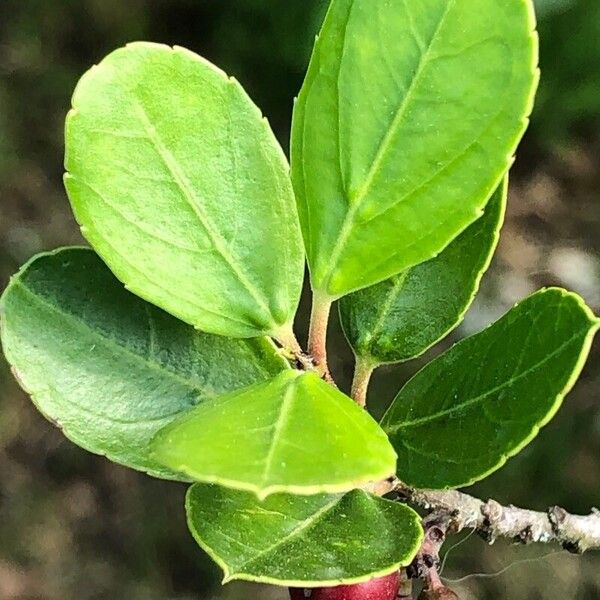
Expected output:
(287, 339)
(363, 371)
(317, 336)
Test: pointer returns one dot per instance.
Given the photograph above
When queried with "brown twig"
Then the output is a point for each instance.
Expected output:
(491, 520)
(426, 564)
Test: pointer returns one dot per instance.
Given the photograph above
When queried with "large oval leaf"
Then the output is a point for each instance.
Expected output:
(179, 184)
(486, 398)
(293, 434)
(404, 127)
(402, 317)
(109, 369)
(296, 541)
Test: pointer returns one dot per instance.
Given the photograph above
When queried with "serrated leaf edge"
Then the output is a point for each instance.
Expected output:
(370, 360)
(229, 576)
(167, 474)
(262, 491)
(583, 355)
(529, 102)
(132, 284)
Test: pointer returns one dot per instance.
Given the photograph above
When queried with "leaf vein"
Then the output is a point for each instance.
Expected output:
(483, 396)
(286, 405)
(189, 196)
(109, 342)
(304, 525)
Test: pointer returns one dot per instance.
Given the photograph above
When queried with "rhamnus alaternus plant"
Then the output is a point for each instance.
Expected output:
(169, 347)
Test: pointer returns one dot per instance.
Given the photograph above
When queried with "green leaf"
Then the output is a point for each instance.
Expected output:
(303, 541)
(179, 184)
(468, 411)
(405, 125)
(401, 318)
(293, 434)
(109, 369)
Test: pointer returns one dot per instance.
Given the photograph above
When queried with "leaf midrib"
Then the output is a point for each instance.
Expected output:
(355, 202)
(391, 297)
(189, 196)
(110, 342)
(482, 397)
(278, 428)
(401, 109)
(304, 525)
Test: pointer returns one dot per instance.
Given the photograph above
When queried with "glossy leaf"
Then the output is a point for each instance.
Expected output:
(109, 369)
(179, 184)
(486, 398)
(303, 541)
(401, 318)
(405, 125)
(293, 434)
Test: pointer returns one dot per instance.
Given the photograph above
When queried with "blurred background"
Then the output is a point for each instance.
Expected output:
(72, 525)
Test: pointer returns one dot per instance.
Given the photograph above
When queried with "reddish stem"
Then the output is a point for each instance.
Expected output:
(317, 336)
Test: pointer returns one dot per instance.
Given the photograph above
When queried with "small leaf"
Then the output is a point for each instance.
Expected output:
(406, 123)
(485, 399)
(109, 369)
(293, 434)
(303, 541)
(180, 186)
(401, 318)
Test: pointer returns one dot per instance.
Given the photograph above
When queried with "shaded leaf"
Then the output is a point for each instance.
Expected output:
(405, 125)
(109, 369)
(293, 434)
(179, 184)
(401, 318)
(485, 399)
(303, 541)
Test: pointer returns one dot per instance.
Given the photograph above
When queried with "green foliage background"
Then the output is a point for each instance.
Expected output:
(74, 526)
